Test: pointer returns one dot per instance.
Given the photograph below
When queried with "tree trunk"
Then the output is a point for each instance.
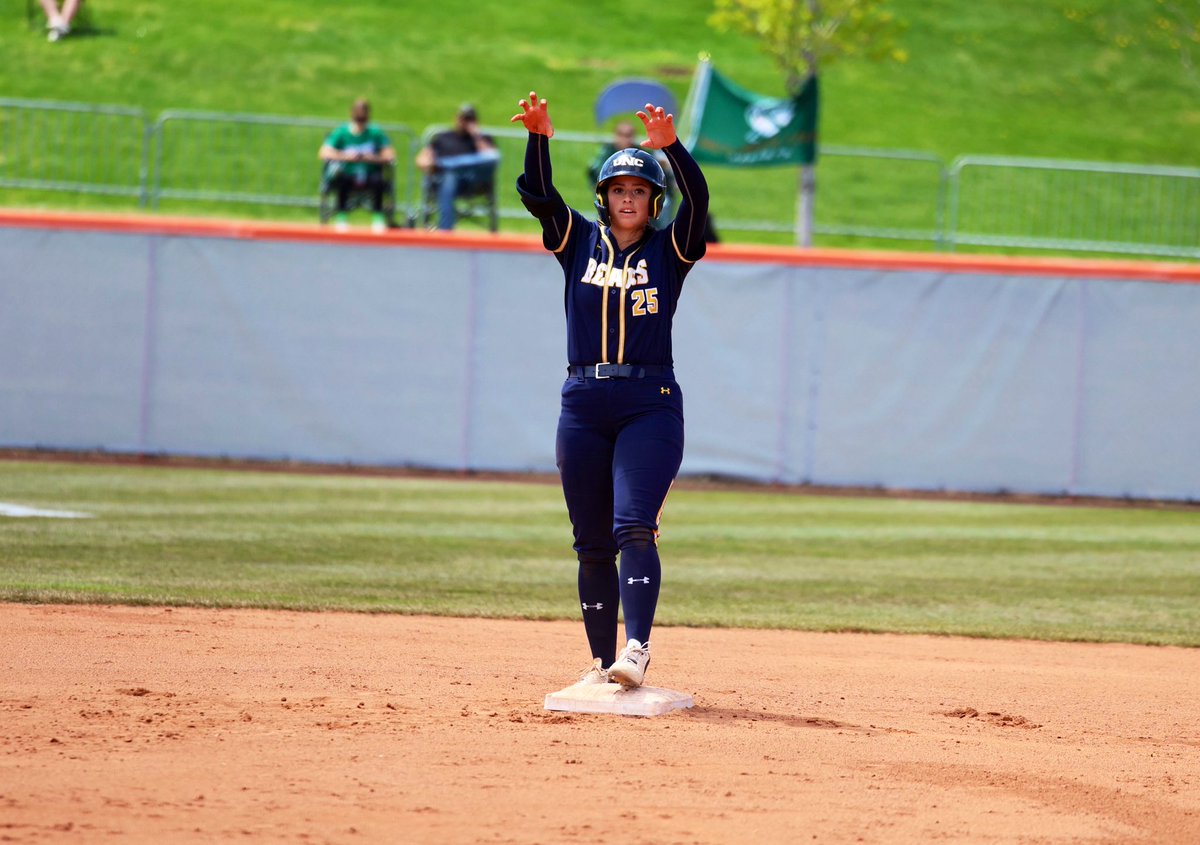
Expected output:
(806, 187)
(805, 199)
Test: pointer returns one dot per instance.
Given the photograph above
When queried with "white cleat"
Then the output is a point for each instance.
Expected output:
(630, 669)
(595, 674)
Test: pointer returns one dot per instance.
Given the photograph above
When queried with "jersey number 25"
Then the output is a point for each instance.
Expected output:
(645, 301)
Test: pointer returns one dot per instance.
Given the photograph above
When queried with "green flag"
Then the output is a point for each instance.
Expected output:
(739, 128)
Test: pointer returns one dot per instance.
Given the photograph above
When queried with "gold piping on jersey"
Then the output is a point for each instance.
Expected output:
(604, 300)
(604, 296)
(676, 245)
(621, 333)
(687, 198)
(562, 246)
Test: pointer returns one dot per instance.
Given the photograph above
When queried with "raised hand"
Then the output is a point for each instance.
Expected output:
(660, 127)
(535, 116)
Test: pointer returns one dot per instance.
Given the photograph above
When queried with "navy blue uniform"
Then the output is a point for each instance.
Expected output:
(620, 431)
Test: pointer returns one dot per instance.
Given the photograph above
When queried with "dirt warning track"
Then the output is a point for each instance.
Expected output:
(187, 725)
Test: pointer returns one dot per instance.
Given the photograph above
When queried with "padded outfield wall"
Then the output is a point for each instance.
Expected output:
(910, 371)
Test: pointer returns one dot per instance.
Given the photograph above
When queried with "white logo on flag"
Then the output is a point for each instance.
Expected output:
(767, 118)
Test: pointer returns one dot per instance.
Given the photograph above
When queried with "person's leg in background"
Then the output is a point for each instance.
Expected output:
(341, 216)
(55, 25)
(58, 22)
(378, 186)
(457, 173)
(447, 191)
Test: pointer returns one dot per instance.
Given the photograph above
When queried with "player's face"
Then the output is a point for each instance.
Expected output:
(629, 202)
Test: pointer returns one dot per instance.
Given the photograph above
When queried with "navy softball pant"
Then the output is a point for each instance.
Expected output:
(619, 446)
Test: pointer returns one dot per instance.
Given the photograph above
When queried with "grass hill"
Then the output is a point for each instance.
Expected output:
(1026, 77)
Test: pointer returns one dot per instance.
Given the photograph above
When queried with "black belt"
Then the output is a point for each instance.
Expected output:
(603, 371)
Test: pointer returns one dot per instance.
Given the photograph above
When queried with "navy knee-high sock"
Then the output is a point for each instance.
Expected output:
(600, 596)
(641, 575)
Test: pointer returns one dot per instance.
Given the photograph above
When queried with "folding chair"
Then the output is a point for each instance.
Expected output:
(474, 200)
(358, 197)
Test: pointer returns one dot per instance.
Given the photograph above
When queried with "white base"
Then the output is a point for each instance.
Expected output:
(613, 698)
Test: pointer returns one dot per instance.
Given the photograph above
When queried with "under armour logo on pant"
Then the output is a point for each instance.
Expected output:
(596, 606)
(664, 391)
(645, 580)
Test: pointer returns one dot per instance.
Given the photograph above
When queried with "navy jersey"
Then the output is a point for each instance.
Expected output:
(619, 303)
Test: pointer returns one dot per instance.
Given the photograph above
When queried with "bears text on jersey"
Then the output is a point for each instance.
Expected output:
(601, 274)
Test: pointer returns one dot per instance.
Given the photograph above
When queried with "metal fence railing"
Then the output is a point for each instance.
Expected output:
(889, 194)
(76, 147)
(251, 159)
(188, 157)
(1075, 206)
(909, 204)
(911, 208)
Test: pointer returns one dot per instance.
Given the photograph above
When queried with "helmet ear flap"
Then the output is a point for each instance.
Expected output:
(601, 205)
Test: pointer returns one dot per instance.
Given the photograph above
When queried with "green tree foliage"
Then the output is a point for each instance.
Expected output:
(1178, 24)
(1174, 24)
(802, 36)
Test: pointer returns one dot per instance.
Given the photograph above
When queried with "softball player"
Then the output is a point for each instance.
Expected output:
(620, 430)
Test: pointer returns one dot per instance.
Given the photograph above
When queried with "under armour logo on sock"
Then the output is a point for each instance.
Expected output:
(597, 606)
(645, 580)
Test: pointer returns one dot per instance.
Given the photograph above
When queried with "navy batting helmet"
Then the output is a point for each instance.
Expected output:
(631, 162)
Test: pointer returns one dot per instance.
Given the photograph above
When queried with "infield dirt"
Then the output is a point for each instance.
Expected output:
(187, 725)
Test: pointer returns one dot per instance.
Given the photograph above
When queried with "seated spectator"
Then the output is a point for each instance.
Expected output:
(58, 22)
(357, 153)
(452, 163)
(623, 139)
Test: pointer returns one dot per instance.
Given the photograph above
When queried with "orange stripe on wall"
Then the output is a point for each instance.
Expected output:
(203, 227)
(998, 265)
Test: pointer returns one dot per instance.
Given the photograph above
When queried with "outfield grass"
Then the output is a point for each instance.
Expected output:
(472, 548)
(1027, 77)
